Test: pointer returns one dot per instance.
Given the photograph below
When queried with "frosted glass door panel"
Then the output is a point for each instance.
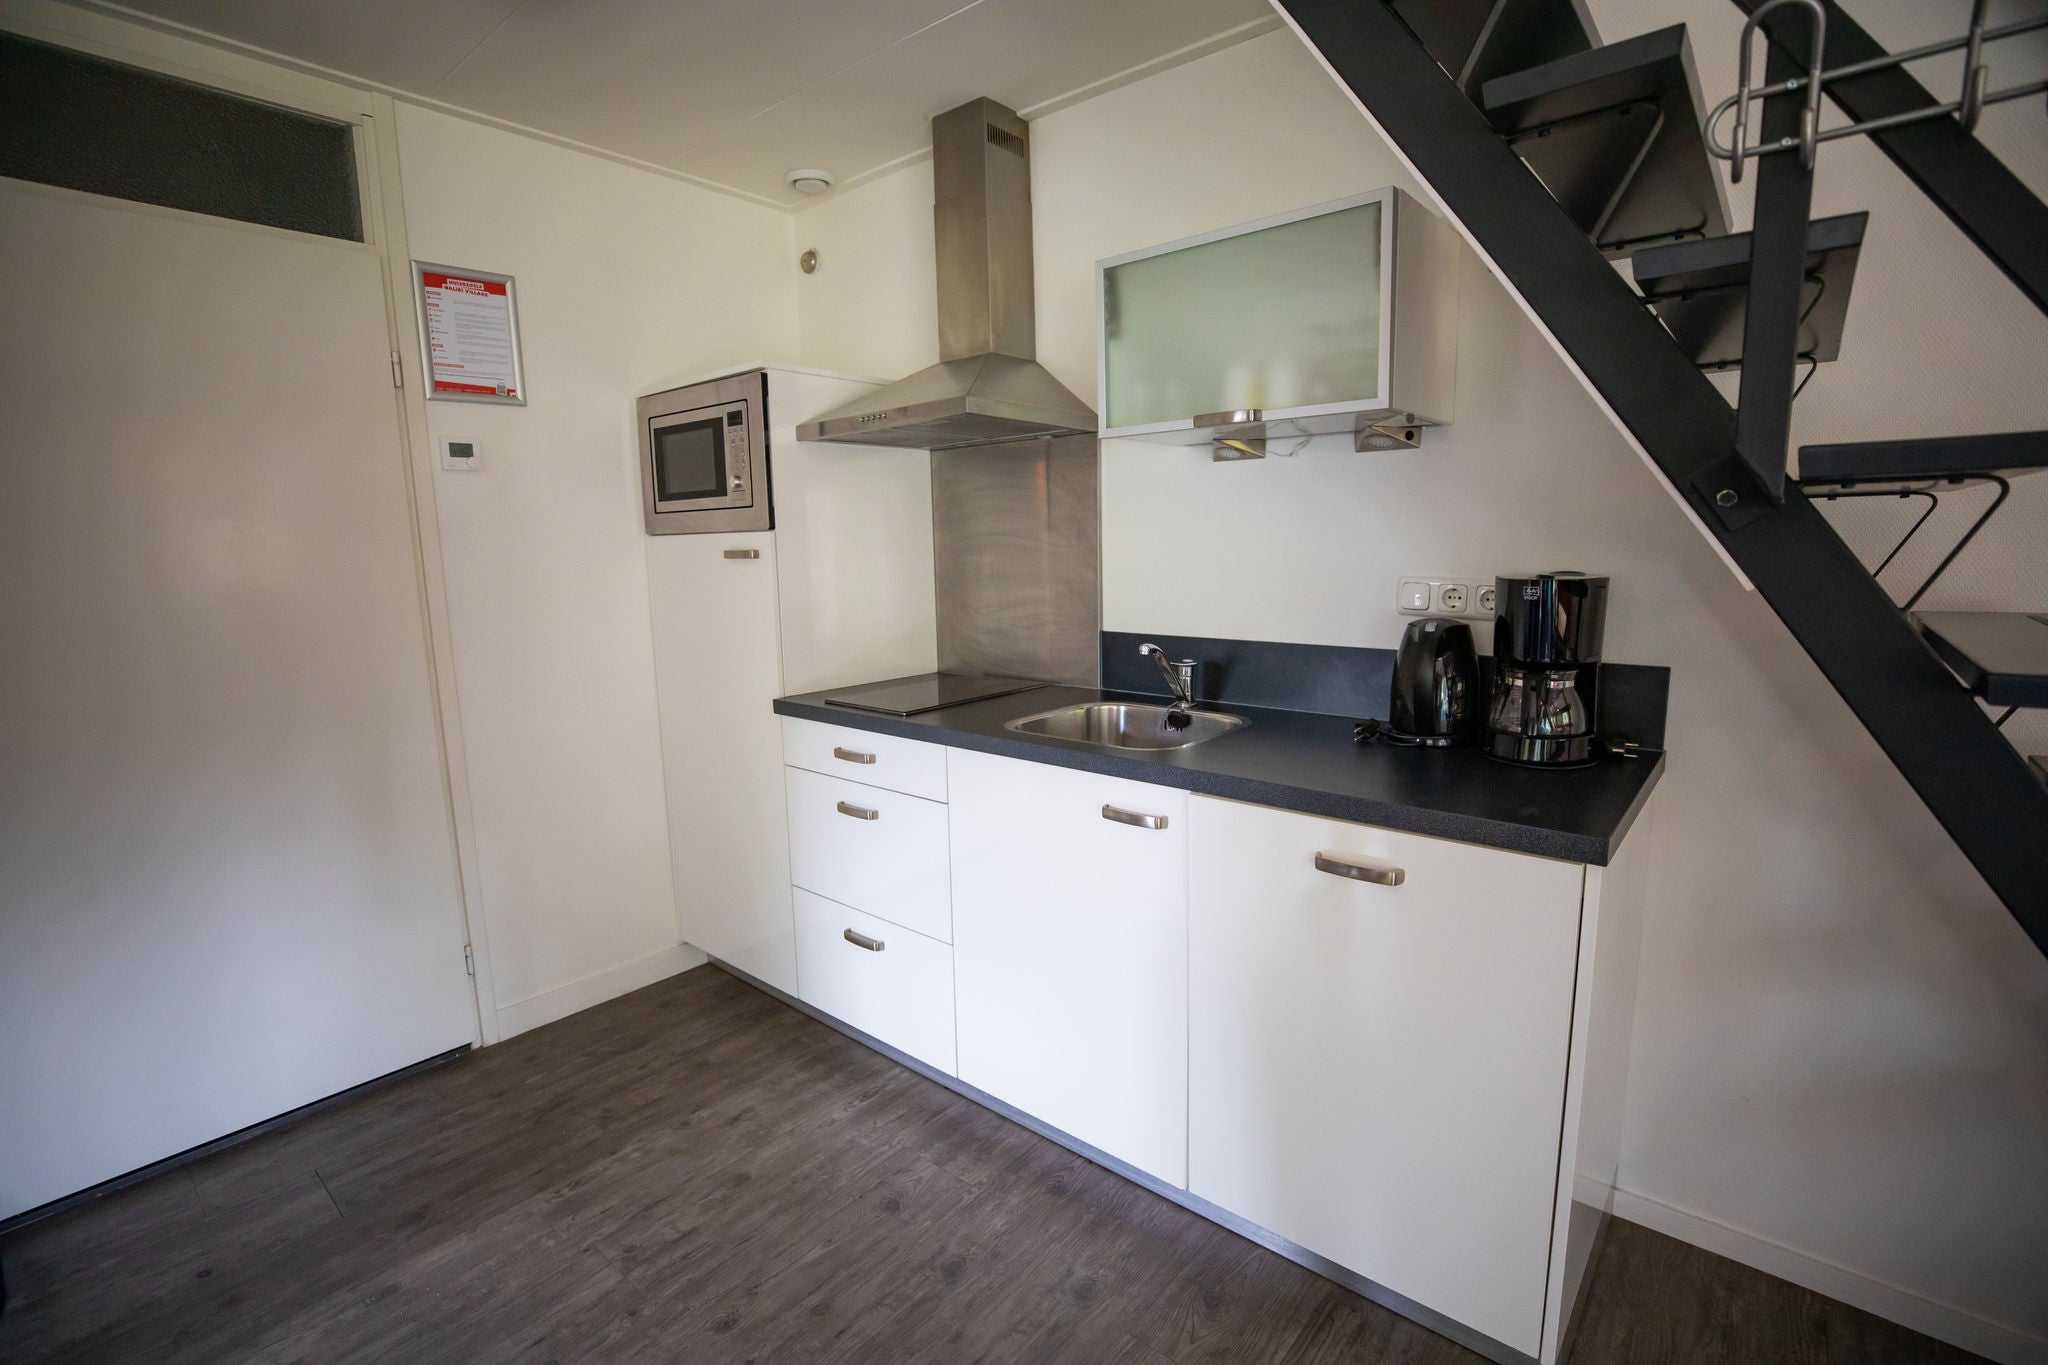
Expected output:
(1284, 317)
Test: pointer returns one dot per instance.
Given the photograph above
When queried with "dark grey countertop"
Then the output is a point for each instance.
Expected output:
(1309, 763)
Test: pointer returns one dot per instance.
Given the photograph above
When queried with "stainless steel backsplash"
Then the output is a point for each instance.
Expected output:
(1016, 532)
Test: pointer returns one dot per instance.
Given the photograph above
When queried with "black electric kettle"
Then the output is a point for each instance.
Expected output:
(1436, 686)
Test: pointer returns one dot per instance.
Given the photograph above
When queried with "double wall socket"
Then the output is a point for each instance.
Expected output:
(1467, 597)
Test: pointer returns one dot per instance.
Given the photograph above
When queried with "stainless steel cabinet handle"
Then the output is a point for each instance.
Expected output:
(1236, 417)
(859, 812)
(1131, 817)
(860, 940)
(1359, 872)
(742, 554)
(852, 755)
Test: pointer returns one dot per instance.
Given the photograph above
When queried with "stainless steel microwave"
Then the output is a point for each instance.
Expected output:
(704, 457)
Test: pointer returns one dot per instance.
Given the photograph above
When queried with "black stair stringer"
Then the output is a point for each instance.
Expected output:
(1975, 784)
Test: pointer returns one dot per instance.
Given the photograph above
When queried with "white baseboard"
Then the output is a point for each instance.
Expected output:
(1994, 1340)
(595, 989)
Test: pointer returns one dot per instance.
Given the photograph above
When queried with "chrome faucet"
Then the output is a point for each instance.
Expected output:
(1180, 676)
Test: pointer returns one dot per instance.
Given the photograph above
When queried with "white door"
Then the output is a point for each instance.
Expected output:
(1070, 951)
(229, 879)
(718, 670)
(1377, 1072)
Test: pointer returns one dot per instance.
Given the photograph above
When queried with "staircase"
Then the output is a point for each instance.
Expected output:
(1478, 94)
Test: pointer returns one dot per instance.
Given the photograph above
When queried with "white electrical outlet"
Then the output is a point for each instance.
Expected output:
(1471, 598)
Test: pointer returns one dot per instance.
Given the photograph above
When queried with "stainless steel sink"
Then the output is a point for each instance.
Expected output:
(1125, 725)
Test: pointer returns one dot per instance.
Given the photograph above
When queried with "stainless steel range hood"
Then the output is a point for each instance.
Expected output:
(987, 386)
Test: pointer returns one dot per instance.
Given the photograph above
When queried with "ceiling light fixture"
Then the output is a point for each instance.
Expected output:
(809, 182)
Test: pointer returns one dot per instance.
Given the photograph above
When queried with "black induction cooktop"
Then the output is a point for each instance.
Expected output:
(926, 692)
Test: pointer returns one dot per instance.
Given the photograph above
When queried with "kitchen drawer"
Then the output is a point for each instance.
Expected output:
(875, 850)
(885, 980)
(901, 765)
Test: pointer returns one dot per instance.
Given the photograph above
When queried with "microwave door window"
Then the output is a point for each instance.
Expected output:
(689, 461)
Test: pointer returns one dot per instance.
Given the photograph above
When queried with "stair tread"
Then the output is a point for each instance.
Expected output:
(1581, 123)
(2001, 656)
(2005, 453)
(1477, 40)
(1700, 290)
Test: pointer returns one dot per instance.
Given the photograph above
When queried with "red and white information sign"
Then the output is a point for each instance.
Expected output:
(471, 335)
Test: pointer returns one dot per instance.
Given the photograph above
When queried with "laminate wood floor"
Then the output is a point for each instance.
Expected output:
(698, 1173)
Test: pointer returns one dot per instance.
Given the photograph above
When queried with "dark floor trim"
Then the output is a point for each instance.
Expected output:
(1223, 1218)
(234, 1139)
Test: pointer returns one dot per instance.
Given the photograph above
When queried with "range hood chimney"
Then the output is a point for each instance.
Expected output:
(988, 385)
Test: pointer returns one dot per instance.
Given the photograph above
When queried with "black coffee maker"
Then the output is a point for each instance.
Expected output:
(1545, 709)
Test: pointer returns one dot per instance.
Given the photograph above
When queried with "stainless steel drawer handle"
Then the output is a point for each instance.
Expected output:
(742, 554)
(859, 812)
(860, 940)
(1131, 817)
(852, 755)
(1359, 872)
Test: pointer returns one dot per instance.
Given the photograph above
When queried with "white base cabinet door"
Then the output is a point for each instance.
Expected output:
(1070, 951)
(879, 977)
(1377, 1072)
(717, 668)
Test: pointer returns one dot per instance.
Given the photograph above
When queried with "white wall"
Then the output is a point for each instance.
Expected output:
(1842, 1038)
(627, 281)
(872, 307)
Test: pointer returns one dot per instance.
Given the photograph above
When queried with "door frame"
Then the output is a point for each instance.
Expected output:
(373, 116)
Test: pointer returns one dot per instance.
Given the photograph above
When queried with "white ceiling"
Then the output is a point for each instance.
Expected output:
(732, 92)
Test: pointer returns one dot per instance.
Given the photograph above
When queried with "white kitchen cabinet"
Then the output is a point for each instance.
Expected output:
(871, 848)
(1070, 951)
(840, 591)
(717, 660)
(1377, 1072)
(883, 979)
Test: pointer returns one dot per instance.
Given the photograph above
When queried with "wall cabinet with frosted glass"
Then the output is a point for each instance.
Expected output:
(1340, 318)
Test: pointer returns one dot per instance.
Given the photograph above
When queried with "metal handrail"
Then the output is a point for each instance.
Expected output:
(1809, 117)
(1967, 106)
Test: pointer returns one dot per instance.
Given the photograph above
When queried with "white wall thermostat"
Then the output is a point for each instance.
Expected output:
(457, 453)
